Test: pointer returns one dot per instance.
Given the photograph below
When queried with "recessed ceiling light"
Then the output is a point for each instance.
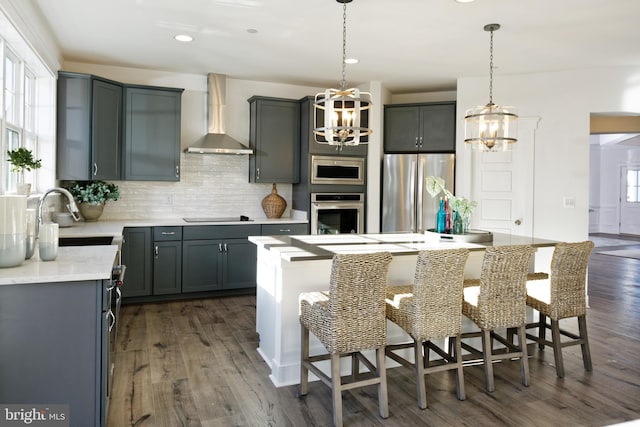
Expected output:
(351, 61)
(183, 38)
(464, 1)
(252, 30)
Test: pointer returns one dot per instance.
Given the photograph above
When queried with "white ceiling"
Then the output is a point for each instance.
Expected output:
(407, 45)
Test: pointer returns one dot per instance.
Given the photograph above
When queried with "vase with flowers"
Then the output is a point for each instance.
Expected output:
(91, 197)
(462, 206)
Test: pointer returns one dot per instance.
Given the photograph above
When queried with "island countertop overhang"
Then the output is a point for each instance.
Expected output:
(318, 247)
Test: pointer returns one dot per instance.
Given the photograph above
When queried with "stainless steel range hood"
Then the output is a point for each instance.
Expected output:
(217, 141)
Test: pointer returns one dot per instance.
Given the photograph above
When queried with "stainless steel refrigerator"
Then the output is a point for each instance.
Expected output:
(406, 204)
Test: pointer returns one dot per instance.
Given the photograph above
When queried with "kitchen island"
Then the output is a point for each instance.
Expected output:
(290, 265)
(54, 333)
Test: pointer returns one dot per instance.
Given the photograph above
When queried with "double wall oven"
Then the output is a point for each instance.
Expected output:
(337, 197)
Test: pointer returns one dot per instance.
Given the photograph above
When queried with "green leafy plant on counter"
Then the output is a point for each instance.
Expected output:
(94, 192)
(436, 185)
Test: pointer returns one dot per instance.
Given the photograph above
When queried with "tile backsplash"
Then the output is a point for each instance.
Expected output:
(211, 185)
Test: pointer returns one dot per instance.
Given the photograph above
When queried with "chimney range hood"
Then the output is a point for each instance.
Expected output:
(217, 141)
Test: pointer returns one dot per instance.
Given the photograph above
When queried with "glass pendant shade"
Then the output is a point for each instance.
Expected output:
(342, 112)
(491, 127)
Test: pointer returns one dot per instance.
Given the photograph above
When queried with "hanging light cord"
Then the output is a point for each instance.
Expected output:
(491, 69)
(343, 83)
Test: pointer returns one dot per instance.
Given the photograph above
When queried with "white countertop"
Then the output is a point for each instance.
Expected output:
(316, 247)
(74, 263)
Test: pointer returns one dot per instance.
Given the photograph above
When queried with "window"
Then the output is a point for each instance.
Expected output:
(633, 186)
(18, 116)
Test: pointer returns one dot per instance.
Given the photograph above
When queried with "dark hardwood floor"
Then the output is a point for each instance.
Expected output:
(194, 363)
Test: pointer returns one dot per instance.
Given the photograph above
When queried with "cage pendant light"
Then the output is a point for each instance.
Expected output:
(338, 113)
(491, 127)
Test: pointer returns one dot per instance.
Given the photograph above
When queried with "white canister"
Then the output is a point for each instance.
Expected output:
(48, 241)
(13, 230)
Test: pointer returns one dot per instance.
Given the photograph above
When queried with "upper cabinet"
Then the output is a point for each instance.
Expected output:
(110, 131)
(308, 139)
(152, 133)
(89, 128)
(420, 128)
(275, 137)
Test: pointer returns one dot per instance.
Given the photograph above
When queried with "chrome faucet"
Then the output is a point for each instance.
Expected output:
(71, 206)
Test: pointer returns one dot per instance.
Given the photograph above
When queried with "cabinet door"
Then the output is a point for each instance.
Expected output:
(275, 137)
(106, 131)
(401, 129)
(438, 132)
(136, 255)
(167, 268)
(73, 145)
(240, 258)
(202, 265)
(152, 134)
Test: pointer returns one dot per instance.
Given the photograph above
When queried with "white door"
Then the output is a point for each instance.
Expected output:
(630, 200)
(502, 185)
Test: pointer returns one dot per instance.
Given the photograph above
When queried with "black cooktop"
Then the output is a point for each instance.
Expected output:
(218, 219)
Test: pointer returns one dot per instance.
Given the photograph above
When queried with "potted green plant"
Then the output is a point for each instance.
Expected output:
(91, 197)
(22, 161)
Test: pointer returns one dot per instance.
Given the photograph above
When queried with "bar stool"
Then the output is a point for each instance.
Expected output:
(500, 302)
(430, 309)
(348, 319)
(562, 296)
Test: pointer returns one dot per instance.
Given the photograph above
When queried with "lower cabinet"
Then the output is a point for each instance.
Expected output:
(137, 256)
(169, 261)
(218, 257)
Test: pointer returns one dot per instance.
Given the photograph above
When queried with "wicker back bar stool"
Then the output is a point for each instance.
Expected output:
(562, 296)
(348, 319)
(430, 309)
(500, 302)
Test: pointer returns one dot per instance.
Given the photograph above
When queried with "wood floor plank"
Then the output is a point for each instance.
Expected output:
(173, 404)
(164, 351)
(131, 402)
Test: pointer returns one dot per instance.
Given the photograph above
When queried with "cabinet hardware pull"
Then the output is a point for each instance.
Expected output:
(177, 171)
(416, 141)
(518, 222)
(257, 174)
(95, 169)
(219, 247)
(168, 233)
(225, 248)
(420, 141)
(156, 251)
(285, 230)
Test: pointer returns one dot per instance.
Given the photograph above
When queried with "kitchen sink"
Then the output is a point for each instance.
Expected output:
(85, 241)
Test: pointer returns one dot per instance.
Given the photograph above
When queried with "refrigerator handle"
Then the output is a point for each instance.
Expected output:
(419, 192)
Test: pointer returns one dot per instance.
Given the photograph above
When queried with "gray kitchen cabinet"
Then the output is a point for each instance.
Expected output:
(284, 228)
(137, 256)
(89, 128)
(167, 260)
(307, 137)
(152, 133)
(218, 257)
(54, 340)
(275, 137)
(424, 128)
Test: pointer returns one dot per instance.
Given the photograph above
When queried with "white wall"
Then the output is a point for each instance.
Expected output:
(564, 101)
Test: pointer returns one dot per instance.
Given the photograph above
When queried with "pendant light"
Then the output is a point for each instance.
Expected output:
(491, 127)
(341, 110)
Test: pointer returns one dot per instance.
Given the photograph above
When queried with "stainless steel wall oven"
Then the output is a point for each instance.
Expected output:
(337, 170)
(337, 213)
